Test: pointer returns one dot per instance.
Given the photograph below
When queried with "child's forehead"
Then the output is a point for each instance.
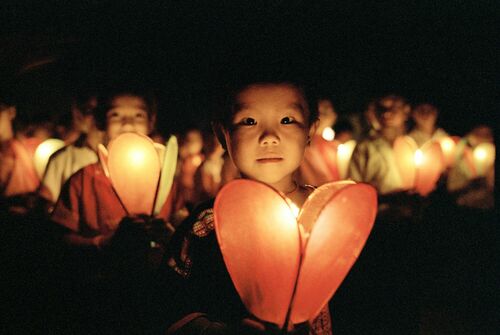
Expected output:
(280, 95)
(128, 101)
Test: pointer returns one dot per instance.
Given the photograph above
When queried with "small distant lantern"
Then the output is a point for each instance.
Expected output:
(483, 157)
(448, 146)
(306, 258)
(344, 154)
(43, 152)
(419, 168)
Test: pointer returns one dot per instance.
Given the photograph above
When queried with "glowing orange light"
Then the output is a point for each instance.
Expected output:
(448, 146)
(263, 251)
(344, 153)
(328, 134)
(484, 157)
(43, 153)
(419, 168)
(418, 158)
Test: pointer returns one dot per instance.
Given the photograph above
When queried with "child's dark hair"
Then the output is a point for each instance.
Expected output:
(229, 92)
(105, 99)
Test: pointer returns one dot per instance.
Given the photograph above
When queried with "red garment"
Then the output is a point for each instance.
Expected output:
(89, 206)
(21, 177)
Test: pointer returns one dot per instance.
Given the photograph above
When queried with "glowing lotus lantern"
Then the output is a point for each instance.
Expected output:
(483, 157)
(448, 146)
(344, 153)
(284, 268)
(43, 152)
(140, 171)
(419, 168)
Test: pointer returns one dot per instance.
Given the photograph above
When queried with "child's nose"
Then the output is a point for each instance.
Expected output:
(269, 138)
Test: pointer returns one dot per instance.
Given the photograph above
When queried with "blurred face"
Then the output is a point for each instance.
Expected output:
(394, 114)
(127, 114)
(269, 133)
(425, 117)
(327, 115)
(194, 142)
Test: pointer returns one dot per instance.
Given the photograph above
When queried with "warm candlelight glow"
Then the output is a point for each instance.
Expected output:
(279, 263)
(328, 134)
(344, 153)
(448, 147)
(43, 153)
(484, 157)
(418, 158)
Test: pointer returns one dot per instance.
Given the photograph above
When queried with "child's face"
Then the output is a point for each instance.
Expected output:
(269, 133)
(395, 113)
(127, 114)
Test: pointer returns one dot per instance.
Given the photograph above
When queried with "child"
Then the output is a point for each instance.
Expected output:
(80, 151)
(88, 207)
(425, 117)
(265, 128)
(17, 172)
(318, 166)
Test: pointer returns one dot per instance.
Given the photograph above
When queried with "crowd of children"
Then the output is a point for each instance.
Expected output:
(104, 271)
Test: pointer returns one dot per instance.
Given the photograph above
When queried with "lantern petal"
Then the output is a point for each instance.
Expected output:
(43, 152)
(260, 243)
(335, 242)
(102, 152)
(428, 172)
(169, 164)
(404, 150)
(134, 170)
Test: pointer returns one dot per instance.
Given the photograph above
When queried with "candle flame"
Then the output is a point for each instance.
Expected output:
(480, 154)
(328, 134)
(418, 158)
(447, 144)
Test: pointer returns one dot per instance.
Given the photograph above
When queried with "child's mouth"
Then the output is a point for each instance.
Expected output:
(269, 160)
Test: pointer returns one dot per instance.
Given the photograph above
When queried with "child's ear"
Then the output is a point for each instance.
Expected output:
(312, 129)
(152, 122)
(219, 132)
(12, 113)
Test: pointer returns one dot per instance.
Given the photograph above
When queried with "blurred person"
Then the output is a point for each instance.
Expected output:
(319, 163)
(81, 150)
(425, 118)
(472, 188)
(17, 171)
(373, 159)
(191, 157)
(388, 257)
(207, 179)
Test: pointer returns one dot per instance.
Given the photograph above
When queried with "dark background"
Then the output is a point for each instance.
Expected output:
(437, 51)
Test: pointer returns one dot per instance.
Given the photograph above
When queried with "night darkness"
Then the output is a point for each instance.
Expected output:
(439, 52)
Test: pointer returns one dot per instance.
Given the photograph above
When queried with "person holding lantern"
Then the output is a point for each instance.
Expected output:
(425, 116)
(80, 151)
(18, 177)
(319, 163)
(265, 127)
(389, 295)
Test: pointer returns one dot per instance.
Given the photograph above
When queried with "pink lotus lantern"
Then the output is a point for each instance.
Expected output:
(284, 268)
(140, 171)
(419, 168)
(43, 152)
(448, 146)
(344, 153)
(481, 159)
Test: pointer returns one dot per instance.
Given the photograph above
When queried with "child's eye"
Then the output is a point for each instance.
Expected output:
(248, 121)
(287, 120)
